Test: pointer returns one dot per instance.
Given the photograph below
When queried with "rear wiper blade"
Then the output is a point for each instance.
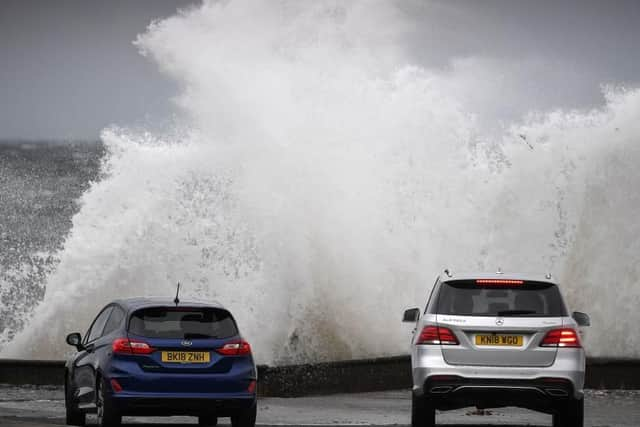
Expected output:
(196, 335)
(515, 312)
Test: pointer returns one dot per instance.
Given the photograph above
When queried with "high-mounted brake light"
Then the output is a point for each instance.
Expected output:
(128, 346)
(565, 337)
(437, 335)
(236, 348)
(504, 282)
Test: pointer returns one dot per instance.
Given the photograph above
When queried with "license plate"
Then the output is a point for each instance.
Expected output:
(186, 356)
(501, 340)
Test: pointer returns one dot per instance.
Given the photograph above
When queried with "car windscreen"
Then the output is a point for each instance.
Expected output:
(500, 298)
(182, 323)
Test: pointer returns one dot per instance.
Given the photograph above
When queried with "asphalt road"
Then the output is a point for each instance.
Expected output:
(44, 406)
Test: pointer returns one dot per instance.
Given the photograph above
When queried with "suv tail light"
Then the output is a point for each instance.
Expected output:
(437, 335)
(236, 348)
(127, 346)
(565, 337)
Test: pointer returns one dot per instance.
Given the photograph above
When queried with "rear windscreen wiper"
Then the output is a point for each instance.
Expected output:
(515, 312)
(196, 336)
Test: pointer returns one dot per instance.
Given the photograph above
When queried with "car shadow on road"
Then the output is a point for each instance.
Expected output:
(44, 422)
(328, 424)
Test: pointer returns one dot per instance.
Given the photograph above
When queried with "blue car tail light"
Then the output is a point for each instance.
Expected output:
(235, 348)
(129, 346)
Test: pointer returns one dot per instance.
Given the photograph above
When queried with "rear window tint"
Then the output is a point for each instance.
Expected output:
(530, 299)
(183, 323)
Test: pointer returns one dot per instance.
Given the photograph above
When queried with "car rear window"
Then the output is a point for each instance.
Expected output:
(183, 323)
(470, 298)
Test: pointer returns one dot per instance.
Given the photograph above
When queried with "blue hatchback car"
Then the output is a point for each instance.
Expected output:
(155, 357)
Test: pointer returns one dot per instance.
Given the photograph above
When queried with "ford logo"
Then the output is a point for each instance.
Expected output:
(186, 343)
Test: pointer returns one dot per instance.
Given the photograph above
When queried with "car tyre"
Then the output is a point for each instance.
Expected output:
(246, 418)
(571, 415)
(423, 412)
(74, 416)
(207, 420)
(106, 413)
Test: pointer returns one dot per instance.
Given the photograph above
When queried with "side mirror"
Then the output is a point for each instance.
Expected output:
(75, 339)
(411, 316)
(582, 319)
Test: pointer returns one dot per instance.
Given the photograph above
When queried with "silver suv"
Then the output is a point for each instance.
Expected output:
(495, 340)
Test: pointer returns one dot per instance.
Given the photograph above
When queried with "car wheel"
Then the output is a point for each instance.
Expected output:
(423, 413)
(208, 420)
(74, 417)
(246, 418)
(571, 415)
(106, 414)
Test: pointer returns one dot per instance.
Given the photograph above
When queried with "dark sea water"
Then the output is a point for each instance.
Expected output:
(40, 185)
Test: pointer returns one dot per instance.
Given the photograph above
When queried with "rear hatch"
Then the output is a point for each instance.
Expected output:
(499, 322)
(190, 341)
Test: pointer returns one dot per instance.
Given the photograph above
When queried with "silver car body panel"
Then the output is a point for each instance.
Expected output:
(427, 361)
(532, 329)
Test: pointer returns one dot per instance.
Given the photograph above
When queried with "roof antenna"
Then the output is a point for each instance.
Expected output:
(177, 299)
(447, 272)
(499, 271)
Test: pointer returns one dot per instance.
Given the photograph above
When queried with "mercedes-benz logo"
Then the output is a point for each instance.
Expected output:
(186, 343)
(499, 322)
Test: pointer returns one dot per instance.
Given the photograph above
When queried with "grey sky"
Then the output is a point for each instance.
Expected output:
(68, 67)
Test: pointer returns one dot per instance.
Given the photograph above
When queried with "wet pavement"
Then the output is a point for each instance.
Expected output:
(44, 406)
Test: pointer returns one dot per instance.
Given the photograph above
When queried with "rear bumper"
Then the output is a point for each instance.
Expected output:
(189, 393)
(464, 385)
(543, 394)
(165, 404)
